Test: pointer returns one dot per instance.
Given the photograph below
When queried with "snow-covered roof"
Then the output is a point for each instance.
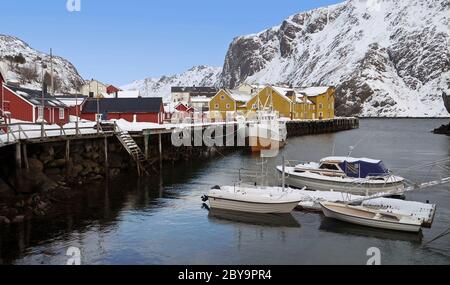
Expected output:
(35, 96)
(200, 99)
(72, 101)
(284, 91)
(239, 96)
(313, 91)
(301, 98)
(350, 159)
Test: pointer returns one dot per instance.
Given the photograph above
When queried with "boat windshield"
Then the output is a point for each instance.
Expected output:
(329, 166)
(364, 169)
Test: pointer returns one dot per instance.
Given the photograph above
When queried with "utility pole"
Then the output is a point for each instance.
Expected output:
(98, 111)
(42, 102)
(51, 72)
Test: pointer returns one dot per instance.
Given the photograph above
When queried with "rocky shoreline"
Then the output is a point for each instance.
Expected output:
(443, 130)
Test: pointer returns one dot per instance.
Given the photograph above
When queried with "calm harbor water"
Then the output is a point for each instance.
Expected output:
(162, 221)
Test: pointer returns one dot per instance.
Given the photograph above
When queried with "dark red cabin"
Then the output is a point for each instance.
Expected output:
(150, 110)
(26, 105)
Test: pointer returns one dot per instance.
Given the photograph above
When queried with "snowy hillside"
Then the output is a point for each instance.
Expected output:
(160, 87)
(25, 65)
(386, 58)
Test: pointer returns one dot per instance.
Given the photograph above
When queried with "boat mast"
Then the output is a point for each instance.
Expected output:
(283, 178)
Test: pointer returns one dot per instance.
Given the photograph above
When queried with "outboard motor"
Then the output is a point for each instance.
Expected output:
(205, 198)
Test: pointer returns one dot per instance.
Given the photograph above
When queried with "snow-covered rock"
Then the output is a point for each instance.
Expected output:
(386, 57)
(160, 87)
(28, 68)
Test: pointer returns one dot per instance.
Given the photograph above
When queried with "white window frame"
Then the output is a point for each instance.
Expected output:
(62, 113)
(40, 113)
(217, 107)
(228, 106)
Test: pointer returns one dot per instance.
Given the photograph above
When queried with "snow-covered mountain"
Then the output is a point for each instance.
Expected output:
(25, 65)
(160, 87)
(386, 57)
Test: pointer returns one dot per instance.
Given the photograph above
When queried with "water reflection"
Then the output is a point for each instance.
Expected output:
(268, 220)
(334, 226)
(159, 220)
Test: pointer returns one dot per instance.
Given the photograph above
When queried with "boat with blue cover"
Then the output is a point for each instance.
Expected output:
(361, 176)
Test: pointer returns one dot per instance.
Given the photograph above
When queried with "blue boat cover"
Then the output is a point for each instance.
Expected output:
(363, 169)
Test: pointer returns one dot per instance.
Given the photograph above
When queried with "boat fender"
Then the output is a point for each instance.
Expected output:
(205, 198)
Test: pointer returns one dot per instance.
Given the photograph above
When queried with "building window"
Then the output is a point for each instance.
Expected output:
(320, 106)
(61, 113)
(222, 97)
(255, 106)
(228, 106)
(216, 106)
(40, 113)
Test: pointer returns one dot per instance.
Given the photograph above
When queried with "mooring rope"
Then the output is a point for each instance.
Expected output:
(445, 233)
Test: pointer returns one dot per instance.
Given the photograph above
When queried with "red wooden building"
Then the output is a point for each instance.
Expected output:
(111, 89)
(150, 110)
(26, 105)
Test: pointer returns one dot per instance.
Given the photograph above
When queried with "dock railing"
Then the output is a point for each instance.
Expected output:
(12, 133)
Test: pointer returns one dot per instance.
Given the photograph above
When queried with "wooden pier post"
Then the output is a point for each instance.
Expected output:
(146, 138)
(25, 156)
(160, 152)
(18, 156)
(106, 156)
(67, 153)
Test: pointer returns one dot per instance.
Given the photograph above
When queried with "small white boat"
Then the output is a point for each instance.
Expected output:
(364, 216)
(361, 176)
(252, 200)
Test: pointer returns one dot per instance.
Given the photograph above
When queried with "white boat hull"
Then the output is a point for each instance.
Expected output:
(367, 222)
(363, 189)
(252, 207)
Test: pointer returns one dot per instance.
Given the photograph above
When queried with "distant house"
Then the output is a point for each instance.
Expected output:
(251, 89)
(183, 94)
(200, 103)
(113, 90)
(130, 109)
(27, 105)
(94, 89)
(73, 102)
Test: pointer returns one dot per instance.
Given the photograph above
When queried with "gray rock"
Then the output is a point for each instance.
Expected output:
(35, 165)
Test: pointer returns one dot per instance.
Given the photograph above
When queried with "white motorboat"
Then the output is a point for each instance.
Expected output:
(269, 133)
(253, 200)
(361, 176)
(364, 216)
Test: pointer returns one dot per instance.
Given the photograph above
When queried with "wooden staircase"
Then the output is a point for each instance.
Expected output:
(2, 122)
(134, 150)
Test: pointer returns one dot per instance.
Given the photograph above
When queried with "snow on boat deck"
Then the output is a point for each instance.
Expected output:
(422, 211)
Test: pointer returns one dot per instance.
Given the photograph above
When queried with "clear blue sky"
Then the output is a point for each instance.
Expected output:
(118, 41)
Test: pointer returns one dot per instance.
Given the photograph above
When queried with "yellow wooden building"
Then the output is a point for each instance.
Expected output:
(310, 103)
(323, 100)
(227, 103)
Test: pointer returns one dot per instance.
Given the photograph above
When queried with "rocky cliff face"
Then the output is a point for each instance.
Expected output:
(446, 101)
(25, 65)
(386, 58)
